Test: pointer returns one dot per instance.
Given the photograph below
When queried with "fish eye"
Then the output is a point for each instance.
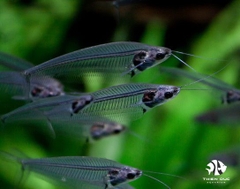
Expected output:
(116, 131)
(168, 95)
(36, 90)
(131, 175)
(160, 55)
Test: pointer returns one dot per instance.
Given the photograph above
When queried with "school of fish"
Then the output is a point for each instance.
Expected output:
(98, 114)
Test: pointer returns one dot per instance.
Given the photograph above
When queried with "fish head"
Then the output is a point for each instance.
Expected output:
(151, 57)
(43, 87)
(102, 129)
(122, 175)
(231, 96)
(158, 55)
(159, 96)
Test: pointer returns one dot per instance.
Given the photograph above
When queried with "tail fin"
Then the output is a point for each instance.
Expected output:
(3, 118)
(9, 157)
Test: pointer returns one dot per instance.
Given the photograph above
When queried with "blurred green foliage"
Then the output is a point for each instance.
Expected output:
(169, 140)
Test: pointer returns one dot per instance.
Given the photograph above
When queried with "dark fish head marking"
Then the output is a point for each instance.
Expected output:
(44, 92)
(122, 175)
(79, 104)
(231, 96)
(139, 59)
(161, 95)
(102, 129)
(149, 96)
(43, 87)
(37, 91)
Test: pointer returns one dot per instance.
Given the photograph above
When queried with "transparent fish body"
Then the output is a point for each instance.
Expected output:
(81, 172)
(14, 63)
(118, 102)
(129, 100)
(230, 94)
(66, 105)
(115, 59)
(84, 128)
(87, 128)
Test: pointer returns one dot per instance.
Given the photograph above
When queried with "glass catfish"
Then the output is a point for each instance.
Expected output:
(88, 129)
(80, 171)
(117, 102)
(117, 58)
(132, 100)
(84, 172)
(15, 83)
(102, 129)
